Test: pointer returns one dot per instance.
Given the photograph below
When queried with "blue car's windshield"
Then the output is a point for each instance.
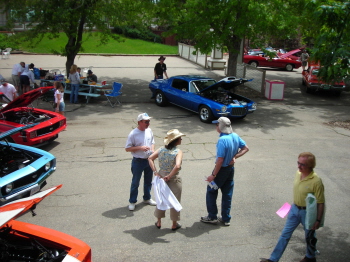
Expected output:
(203, 84)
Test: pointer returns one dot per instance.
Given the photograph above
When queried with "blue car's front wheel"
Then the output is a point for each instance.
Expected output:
(160, 99)
(205, 114)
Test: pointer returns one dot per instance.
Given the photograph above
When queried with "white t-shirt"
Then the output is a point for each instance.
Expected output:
(8, 90)
(17, 68)
(30, 74)
(140, 138)
(61, 95)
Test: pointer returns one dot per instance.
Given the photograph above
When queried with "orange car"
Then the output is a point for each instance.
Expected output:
(21, 241)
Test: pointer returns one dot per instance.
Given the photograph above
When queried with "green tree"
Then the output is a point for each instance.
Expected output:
(226, 23)
(48, 17)
(331, 39)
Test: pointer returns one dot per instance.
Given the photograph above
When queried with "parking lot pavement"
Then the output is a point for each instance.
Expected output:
(95, 172)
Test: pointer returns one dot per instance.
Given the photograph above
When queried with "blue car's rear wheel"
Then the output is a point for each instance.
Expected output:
(205, 114)
(160, 99)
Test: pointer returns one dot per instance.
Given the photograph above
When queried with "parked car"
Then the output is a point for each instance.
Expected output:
(312, 83)
(19, 113)
(295, 55)
(23, 169)
(24, 242)
(276, 62)
(203, 95)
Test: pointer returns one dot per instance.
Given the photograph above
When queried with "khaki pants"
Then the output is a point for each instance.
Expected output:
(15, 79)
(175, 185)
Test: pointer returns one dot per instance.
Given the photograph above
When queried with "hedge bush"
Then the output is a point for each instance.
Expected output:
(143, 34)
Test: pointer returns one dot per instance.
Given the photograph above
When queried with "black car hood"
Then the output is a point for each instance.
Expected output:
(227, 84)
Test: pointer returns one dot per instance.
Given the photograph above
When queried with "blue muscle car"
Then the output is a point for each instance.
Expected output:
(203, 95)
(23, 169)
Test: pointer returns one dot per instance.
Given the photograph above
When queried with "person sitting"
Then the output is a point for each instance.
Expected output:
(91, 77)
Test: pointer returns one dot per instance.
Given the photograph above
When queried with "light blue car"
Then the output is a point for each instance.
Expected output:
(23, 169)
(203, 95)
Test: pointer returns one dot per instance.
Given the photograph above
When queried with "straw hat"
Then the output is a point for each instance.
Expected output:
(172, 135)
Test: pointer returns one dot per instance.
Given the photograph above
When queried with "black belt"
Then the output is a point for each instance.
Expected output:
(299, 207)
(141, 158)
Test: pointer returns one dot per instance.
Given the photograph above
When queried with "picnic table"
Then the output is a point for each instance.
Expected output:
(87, 90)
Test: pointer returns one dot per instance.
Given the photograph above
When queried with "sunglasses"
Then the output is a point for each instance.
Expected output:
(147, 121)
(301, 164)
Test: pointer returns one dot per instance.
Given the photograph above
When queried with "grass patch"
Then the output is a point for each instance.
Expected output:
(91, 45)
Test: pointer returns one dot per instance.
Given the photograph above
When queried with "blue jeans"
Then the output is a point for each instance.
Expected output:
(295, 217)
(139, 165)
(74, 93)
(61, 107)
(159, 77)
(224, 181)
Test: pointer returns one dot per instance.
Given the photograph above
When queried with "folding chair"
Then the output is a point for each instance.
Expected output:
(112, 97)
(6, 53)
(55, 71)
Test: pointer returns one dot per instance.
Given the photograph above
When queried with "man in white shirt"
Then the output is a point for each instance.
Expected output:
(141, 145)
(9, 90)
(16, 72)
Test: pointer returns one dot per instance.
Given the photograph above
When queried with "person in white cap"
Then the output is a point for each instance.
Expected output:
(170, 159)
(229, 147)
(140, 143)
(9, 90)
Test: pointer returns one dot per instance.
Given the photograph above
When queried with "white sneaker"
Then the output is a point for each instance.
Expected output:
(150, 202)
(132, 206)
(225, 223)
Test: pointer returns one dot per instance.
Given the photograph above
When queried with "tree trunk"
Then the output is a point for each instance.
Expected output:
(233, 50)
(75, 37)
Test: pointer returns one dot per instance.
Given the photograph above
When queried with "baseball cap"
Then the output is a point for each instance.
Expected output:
(224, 125)
(143, 116)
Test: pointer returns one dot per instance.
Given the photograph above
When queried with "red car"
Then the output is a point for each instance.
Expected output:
(19, 113)
(276, 62)
(312, 83)
(25, 242)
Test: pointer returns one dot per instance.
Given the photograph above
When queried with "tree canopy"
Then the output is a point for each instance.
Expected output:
(331, 38)
(226, 23)
(73, 18)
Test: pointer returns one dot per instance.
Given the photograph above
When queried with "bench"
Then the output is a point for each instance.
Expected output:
(88, 95)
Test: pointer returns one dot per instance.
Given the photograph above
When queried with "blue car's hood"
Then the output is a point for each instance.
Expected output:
(227, 84)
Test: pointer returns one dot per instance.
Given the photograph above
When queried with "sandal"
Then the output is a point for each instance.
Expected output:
(156, 224)
(177, 227)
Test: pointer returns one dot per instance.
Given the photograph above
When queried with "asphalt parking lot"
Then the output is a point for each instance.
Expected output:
(95, 172)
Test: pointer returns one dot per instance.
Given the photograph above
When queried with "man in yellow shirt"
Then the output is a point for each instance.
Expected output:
(306, 181)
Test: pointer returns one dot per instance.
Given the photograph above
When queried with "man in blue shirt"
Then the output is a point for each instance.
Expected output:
(229, 147)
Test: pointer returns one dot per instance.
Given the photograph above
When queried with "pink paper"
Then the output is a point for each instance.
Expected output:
(283, 211)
